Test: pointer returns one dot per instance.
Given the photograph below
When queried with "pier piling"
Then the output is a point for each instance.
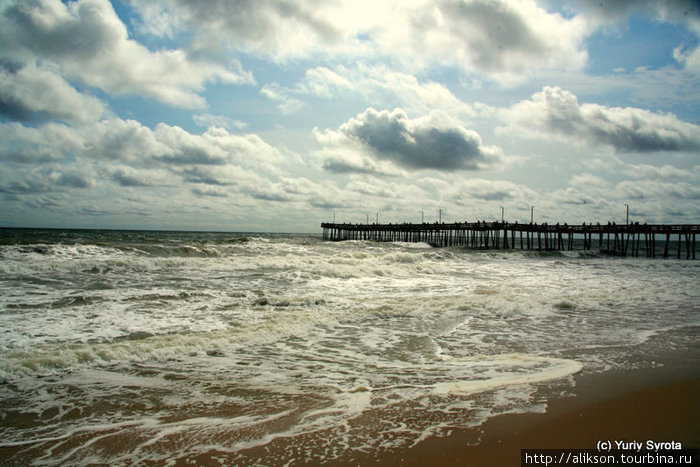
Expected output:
(494, 235)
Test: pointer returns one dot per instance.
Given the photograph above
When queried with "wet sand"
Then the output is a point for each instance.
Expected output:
(661, 403)
(658, 404)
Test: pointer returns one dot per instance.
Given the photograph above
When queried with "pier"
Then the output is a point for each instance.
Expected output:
(623, 240)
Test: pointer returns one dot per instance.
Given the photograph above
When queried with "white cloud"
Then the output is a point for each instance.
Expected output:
(377, 83)
(90, 44)
(220, 121)
(133, 155)
(651, 172)
(587, 180)
(499, 38)
(609, 15)
(34, 93)
(502, 39)
(277, 29)
(429, 60)
(29, 145)
(689, 58)
(47, 179)
(286, 103)
(557, 112)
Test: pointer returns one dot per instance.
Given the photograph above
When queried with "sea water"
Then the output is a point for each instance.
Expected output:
(127, 348)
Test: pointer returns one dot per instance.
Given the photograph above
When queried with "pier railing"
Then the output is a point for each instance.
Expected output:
(649, 239)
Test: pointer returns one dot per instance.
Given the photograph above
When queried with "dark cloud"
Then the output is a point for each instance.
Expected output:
(640, 131)
(29, 155)
(615, 10)
(74, 180)
(10, 105)
(206, 177)
(85, 32)
(89, 211)
(129, 177)
(193, 155)
(328, 204)
(24, 187)
(433, 142)
(344, 166)
(15, 110)
(495, 34)
(127, 180)
(272, 197)
(494, 195)
(207, 192)
(45, 180)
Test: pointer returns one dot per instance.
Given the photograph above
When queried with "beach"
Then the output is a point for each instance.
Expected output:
(660, 404)
(173, 348)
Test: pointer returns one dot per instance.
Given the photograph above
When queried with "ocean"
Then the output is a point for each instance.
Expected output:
(156, 348)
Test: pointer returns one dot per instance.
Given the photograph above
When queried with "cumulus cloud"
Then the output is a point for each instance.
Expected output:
(130, 141)
(132, 155)
(88, 42)
(32, 93)
(38, 145)
(500, 38)
(557, 112)
(46, 179)
(435, 141)
(266, 27)
(117, 139)
(690, 58)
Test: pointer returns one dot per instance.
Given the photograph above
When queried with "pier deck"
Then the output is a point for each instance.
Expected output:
(651, 240)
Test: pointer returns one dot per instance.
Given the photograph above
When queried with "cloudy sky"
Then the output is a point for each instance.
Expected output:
(263, 115)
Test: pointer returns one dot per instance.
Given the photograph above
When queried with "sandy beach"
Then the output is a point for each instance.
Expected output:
(658, 404)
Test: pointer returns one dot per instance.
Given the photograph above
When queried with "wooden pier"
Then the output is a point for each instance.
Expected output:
(633, 239)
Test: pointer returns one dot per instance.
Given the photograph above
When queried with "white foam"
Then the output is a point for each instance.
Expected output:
(524, 369)
(230, 346)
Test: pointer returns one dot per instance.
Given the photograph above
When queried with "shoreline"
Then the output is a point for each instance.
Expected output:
(658, 404)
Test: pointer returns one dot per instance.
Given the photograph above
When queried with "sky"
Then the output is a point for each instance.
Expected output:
(274, 116)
